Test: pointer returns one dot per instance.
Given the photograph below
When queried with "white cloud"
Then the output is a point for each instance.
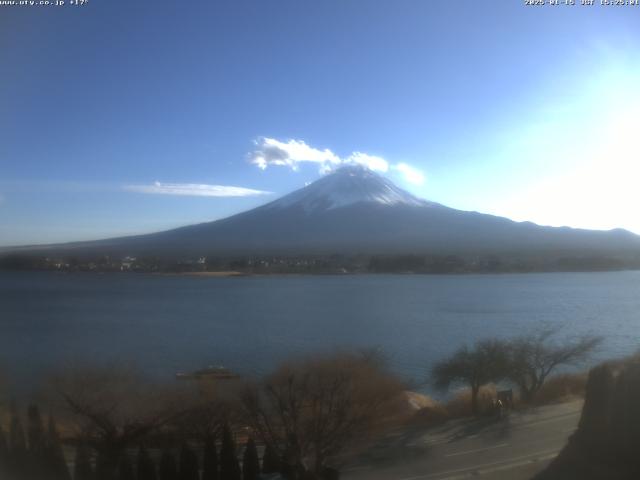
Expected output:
(409, 173)
(195, 190)
(272, 152)
(372, 162)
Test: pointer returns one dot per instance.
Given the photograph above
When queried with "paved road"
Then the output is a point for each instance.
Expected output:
(511, 449)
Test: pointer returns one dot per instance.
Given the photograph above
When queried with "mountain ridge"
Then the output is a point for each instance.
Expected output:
(355, 211)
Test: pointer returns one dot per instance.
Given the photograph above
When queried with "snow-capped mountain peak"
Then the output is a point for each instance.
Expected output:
(348, 185)
(356, 211)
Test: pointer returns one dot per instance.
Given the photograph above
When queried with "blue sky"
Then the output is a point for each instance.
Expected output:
(122, 117)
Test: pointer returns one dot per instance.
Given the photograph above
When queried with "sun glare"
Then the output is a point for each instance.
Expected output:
(592, 154)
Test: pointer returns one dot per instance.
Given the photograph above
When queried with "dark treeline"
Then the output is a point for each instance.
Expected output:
(119, 425)
(329, 264)
(33, 451)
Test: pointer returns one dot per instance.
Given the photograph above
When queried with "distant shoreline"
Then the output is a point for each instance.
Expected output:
(234, 273)
(347, 264)
(226, 273)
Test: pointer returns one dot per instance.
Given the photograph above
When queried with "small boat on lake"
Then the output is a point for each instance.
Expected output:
(209, 373)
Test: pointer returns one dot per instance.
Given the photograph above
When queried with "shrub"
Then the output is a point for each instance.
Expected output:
(146, 468)
(561, 388)
(82, 466)
(189, 468)
(250, 461)
(210, 460)
(460, 405)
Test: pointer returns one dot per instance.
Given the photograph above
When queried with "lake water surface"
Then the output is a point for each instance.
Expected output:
(168, 324)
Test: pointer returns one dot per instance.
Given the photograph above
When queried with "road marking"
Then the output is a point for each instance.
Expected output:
(466, 452)
(437, 441)
(557, 418)
(511, 466)
(487, 467)
(517, 423)
(355, 469)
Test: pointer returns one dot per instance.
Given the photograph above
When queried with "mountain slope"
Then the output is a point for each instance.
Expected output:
(354, 210)
(348, 186)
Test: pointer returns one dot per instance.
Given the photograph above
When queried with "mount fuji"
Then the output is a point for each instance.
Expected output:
(356, 211)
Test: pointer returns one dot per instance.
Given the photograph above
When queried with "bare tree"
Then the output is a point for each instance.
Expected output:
(533, 357)
(4, 383)
(4, 454)
(114, 408)
(484, 363)
(311, 410)
(207, 407)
